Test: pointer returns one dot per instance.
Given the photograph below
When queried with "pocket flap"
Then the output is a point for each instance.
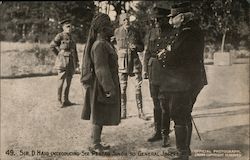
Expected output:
(122, 53)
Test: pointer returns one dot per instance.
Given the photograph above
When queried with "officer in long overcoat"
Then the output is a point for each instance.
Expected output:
(128, 44)
(64, 47)
(183, 75)
(102, 98)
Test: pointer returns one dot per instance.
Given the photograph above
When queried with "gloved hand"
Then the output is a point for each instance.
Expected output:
(169, 48)
(161, 55)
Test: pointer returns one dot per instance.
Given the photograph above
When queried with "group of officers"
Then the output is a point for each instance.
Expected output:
(172, 62)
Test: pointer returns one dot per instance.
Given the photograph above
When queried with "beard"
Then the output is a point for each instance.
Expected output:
(108, 32)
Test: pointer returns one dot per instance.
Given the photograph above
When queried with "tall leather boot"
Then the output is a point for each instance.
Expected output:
(165, 123)
(181, 143)
(59, 92)
(123, 106)
(157, 124)
(139, 107)
(59, 97)
(66, 101)
(189, 135)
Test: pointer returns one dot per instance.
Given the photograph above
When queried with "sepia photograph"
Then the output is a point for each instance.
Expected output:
(125, 80)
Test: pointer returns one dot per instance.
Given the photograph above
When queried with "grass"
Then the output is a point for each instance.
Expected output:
(36, 59)
(28, 59)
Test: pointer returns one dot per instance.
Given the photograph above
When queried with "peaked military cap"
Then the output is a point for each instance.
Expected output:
(65, 21)
(180, 8)
(161, 9)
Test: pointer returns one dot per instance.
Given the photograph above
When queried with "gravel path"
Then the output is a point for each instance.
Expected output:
(31, 123)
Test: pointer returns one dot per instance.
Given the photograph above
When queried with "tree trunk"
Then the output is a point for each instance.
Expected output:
(223, 41)
(108, 7)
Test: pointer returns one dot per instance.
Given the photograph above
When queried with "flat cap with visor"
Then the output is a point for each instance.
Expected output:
(180, 8)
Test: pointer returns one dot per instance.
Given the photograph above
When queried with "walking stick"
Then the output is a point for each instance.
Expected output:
(196, 128)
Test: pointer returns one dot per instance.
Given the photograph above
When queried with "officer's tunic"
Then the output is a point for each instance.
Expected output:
(151, 64)
(97, 107)
(67, 59)
(128, 60)
(157, 41)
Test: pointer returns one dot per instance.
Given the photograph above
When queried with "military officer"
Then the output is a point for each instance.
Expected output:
(66, 62)
(128, 45)
(183, 75)
(157, 40)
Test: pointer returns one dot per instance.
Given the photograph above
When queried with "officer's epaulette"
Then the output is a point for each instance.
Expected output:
(186, 28)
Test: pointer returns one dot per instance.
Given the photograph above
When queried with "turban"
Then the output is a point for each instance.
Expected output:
(99, 21)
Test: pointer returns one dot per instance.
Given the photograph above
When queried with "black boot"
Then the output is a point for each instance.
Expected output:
(59, 96)
(181, 152)
(165, 138)
(123, 106)
(165, 122)
(66, 101)
(139, 106)
(157, 122)
(189, 135)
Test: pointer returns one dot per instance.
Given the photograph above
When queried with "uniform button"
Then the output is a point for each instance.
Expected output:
(158, 45)
(163, 66)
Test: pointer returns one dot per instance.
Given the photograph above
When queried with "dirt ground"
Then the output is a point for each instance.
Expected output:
(33, 128)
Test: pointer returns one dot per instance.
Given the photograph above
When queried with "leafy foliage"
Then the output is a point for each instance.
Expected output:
(39, 21)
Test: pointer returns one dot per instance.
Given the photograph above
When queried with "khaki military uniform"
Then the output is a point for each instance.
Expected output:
(66, 62)
(67, 57)
(129, 62)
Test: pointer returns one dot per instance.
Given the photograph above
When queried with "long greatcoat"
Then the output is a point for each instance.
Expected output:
(183, 68)
(97, 107)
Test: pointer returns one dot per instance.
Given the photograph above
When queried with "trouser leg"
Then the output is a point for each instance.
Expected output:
(123, 84)
(181, 142)
(180, 111)
(189, 134)
(96, 146)
(96, 134)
